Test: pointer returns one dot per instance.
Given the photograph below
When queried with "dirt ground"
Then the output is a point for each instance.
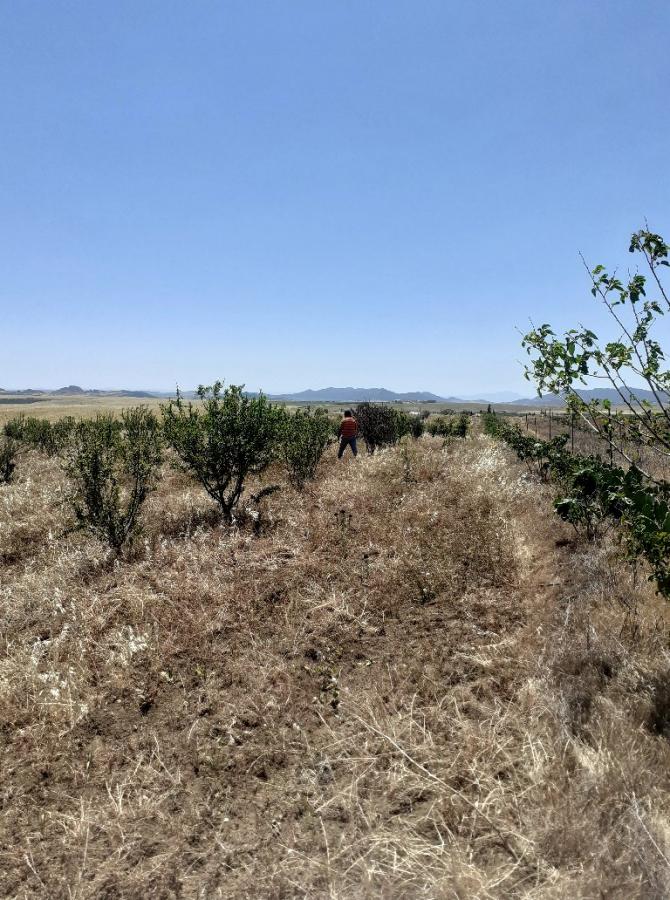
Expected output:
(410, 680)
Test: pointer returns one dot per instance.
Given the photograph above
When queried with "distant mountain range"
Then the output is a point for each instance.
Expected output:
(73, 390)
(355, 395)
(593, 394)
(360, 395)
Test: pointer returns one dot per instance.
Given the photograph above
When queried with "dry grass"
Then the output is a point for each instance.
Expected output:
(81, 407)
(405, 682)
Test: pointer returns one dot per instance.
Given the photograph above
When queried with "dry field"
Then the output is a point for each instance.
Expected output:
(84, 406)
(409, 681)
(52, 408)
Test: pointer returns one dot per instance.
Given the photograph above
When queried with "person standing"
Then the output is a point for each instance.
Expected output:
(348, 433)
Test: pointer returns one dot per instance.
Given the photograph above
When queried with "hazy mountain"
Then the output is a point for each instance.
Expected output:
(70, 390)
(593, 394)
(359, 395)
(73, 390)
(493, 397)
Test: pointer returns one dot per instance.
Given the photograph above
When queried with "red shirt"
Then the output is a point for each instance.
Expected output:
(348, 427)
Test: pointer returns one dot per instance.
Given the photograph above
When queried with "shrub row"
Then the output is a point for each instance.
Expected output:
(113, 462)
(449, 426)
(220, 441)
(49, 437)
(594, 495)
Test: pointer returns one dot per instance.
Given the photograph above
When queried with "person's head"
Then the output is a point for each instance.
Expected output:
(347, 413)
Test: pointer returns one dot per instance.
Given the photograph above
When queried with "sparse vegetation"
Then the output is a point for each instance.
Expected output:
(299, 667)
(279, 683)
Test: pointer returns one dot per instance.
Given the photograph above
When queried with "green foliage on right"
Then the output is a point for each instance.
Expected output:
(7, 455)
(113, 464)
(562, 364)
(305, 434)
(224, 440)
(594, 495)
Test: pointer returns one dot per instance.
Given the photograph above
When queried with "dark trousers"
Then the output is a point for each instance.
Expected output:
(343, 446)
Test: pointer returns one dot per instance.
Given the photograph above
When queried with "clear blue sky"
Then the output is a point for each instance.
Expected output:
(301, 194)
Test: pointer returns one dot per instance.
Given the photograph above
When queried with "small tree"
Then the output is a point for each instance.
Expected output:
(380, 425)
(304, 437)
(7, 464)
(417, 426)
(227, 438)
(113, 465)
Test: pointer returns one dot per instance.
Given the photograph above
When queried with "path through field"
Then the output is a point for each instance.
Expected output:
(409, 681)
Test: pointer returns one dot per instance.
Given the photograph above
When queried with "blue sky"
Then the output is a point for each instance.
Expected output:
(310, 193)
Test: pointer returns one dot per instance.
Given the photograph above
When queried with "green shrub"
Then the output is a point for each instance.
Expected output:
(647, 516)
(304, 436)
(40, 434)
(593, 493)
(417, 426)
(223, 441)
(380, 425)
(113, 465)
(449, 426)
(7, 456)
(13, 428)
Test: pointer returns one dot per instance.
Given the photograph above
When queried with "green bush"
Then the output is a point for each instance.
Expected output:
(417, 426)
(229, 437)
(40, 434)
(380, 425)
(7, 456)
(304, 437)
(593, 494)
(113, 465)
(449, 426)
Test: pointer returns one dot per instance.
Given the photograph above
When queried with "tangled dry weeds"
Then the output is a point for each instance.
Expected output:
(407, 681)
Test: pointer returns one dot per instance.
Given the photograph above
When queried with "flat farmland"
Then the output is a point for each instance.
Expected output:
(52, 407)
